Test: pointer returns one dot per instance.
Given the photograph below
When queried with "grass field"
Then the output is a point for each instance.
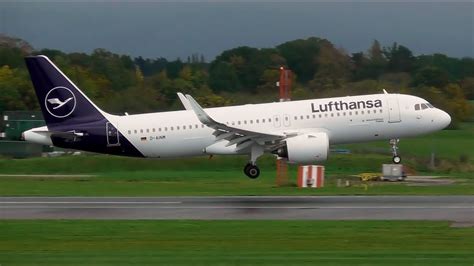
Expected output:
(234, 243)
(115, 176)
(446, 144)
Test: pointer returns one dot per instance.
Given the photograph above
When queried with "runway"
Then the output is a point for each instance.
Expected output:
(451, 208)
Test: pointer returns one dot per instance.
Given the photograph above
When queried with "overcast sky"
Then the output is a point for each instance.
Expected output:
(178, 29)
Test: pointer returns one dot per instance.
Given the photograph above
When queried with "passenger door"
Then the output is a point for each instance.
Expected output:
(112, 134)
(393, 110)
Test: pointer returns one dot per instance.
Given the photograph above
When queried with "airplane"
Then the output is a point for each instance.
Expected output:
(297, 131)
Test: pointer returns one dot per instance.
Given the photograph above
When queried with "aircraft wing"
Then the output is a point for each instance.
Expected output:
(243, 138)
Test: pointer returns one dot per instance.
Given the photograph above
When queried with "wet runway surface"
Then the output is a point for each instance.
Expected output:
(450, 208)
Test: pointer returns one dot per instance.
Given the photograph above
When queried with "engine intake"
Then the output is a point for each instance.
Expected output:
(307, 148)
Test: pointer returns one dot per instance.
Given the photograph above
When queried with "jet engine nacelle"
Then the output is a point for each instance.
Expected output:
(307, 148)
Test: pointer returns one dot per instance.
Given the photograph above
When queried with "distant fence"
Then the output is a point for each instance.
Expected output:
(20, 149)
(13, 123)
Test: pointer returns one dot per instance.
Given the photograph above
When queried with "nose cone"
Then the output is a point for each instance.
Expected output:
(444, 119)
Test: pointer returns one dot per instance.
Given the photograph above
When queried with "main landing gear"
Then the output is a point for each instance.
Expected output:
(251, 169)
(396, 159)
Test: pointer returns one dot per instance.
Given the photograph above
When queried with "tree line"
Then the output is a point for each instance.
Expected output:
(120, 83)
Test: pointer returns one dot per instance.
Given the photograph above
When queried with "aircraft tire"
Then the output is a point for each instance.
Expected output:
(252, 171)
(396, 159)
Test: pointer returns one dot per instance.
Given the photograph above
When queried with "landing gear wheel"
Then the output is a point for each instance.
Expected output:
(252, 171)
(396, 159)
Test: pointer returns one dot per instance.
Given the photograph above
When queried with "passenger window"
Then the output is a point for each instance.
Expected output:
(307, 117)
(263, 120)
(129, 132)
(135, 131)
(141, 130)
(302, 117)
(257, 121)
(269, 120)
(147, 130)
(296, 118)
(320, 115)
(314, 116)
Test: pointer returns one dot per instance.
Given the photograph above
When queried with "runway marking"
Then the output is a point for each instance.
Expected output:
(91, 202)
(230, 207)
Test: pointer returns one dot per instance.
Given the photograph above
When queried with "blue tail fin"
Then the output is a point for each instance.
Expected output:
(61, 101)
(74, 121)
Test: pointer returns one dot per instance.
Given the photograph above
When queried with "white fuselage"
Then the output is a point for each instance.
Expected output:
(345, 119)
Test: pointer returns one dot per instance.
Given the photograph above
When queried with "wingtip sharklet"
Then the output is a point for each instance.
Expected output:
(199, 111)
(184, 101)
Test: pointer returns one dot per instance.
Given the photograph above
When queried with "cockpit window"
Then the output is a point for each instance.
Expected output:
(423, 106)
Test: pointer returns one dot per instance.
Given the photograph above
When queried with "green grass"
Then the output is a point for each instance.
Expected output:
(116, 176)
(184, 183)
(103, 164)
(446, 144)
(234, 243)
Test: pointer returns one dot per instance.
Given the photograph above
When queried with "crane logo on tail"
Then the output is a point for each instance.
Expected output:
(60, 102)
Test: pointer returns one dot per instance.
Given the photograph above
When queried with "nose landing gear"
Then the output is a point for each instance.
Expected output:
(396, 159)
